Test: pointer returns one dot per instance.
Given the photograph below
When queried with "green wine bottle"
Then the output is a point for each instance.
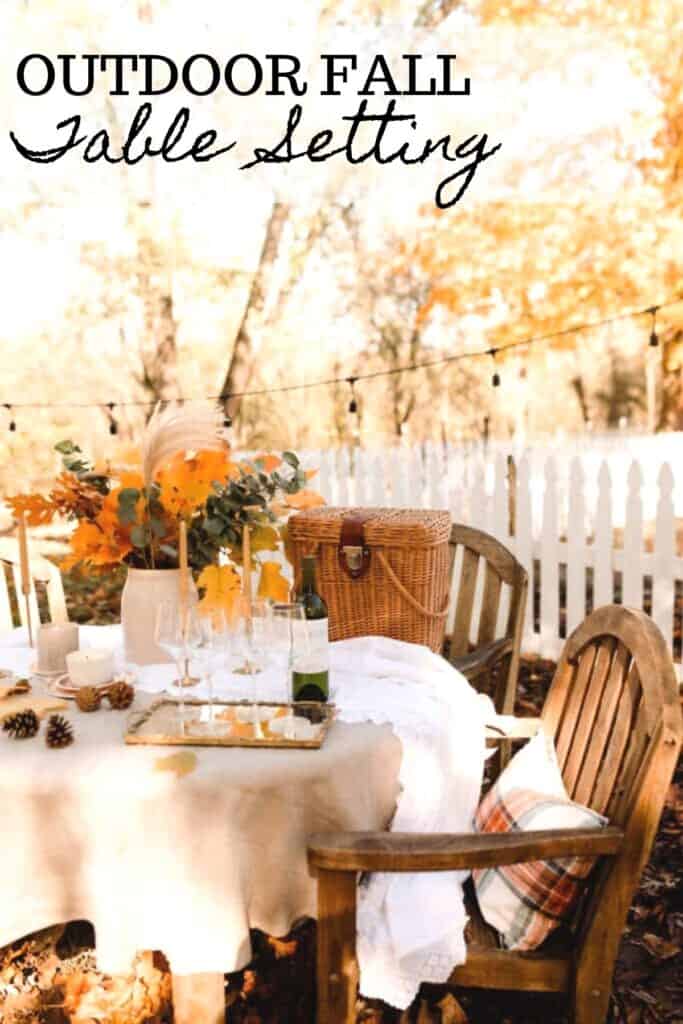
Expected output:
(311, 664)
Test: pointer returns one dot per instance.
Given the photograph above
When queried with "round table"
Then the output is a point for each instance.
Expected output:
(181, 849)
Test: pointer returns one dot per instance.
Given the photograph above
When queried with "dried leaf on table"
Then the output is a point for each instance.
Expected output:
(182, 763)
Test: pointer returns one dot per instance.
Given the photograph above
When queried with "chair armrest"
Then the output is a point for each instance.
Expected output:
(483, 659)
(507, 727)
(413, 851)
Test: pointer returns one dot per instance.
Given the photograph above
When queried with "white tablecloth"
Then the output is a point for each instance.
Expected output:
(185, 864)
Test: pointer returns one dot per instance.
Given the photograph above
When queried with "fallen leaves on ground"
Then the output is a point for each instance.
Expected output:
(53, 979)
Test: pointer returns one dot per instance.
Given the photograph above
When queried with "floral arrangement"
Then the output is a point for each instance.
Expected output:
(131, 513)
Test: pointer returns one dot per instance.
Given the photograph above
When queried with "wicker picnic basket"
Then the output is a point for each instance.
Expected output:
(381, 571)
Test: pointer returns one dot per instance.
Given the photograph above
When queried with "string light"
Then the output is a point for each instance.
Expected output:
(372, 375)
(353, 404)
(654, 340)
(113, 425)
(495, 379)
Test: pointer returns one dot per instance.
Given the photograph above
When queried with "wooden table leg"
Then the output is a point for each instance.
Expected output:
(199, 998)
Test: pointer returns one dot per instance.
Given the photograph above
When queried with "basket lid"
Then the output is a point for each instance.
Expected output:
(389, 527)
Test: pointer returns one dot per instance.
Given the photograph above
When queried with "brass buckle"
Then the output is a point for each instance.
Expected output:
(354, 556)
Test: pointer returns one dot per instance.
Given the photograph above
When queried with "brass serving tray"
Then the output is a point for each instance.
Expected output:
(236, 724)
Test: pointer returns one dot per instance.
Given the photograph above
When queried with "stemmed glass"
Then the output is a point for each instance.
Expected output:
(209, 649)
(289, 635)
(249, 623)
(177, 631)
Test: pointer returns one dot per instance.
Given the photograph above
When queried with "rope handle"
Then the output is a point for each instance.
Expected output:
(405, 593)
(314, 549)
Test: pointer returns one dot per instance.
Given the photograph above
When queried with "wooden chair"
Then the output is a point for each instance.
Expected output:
(614, 712)
(43, 572)
(483, 554)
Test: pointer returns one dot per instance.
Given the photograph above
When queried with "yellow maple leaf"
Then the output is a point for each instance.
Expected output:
(272, 584)
(262, 538)
(222, 588)
(304, 499)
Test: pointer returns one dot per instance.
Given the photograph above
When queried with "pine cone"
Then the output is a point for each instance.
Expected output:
(59, 732)
(121, 695)
(22, 725)
(88, 698)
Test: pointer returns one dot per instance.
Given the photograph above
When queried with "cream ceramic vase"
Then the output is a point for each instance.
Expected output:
(143, 592)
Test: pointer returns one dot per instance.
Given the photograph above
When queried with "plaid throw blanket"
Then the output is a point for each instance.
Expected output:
(526, 902)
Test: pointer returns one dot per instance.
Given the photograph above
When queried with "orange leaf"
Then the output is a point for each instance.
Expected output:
(186, 482)
(272, 584)
(304, 499)
(270, 462)
(37, 509)
(99, 544)
(281, 948)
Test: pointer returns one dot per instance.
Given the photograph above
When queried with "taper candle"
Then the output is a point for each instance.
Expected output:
(246, 564)
(25, 573)
(182, 561)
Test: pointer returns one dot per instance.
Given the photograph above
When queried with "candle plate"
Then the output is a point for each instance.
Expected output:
(63, 687)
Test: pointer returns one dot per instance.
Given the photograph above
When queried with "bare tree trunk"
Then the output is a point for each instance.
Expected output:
(239, 369)
(158, 351)
(671, 405)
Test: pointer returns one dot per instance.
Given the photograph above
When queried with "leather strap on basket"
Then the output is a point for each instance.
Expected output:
(406, 595)
(353, 553)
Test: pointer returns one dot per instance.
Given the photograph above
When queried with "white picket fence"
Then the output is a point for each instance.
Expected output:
(590, 528)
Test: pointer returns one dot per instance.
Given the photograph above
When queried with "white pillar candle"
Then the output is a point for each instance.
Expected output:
(55, 641)
(93, 667)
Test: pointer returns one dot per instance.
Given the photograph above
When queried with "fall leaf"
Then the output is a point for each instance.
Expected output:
(281, 948)
(270, 462)
(182, 763)
(99, 545)
(262, 538)
(304, 499)
(222, 587)
(186, 480)
(39, 511)
(272, 584)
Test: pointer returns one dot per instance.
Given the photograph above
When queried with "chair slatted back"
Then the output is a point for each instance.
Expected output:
(12, 601)
(487, 570)
(614, 710)
(605, 706)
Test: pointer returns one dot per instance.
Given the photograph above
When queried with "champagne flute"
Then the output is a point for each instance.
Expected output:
(177, 631)
(211, 649)
(289, 634)
(249, 623)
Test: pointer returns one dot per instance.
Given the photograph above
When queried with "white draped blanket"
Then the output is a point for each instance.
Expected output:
(116, 821)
